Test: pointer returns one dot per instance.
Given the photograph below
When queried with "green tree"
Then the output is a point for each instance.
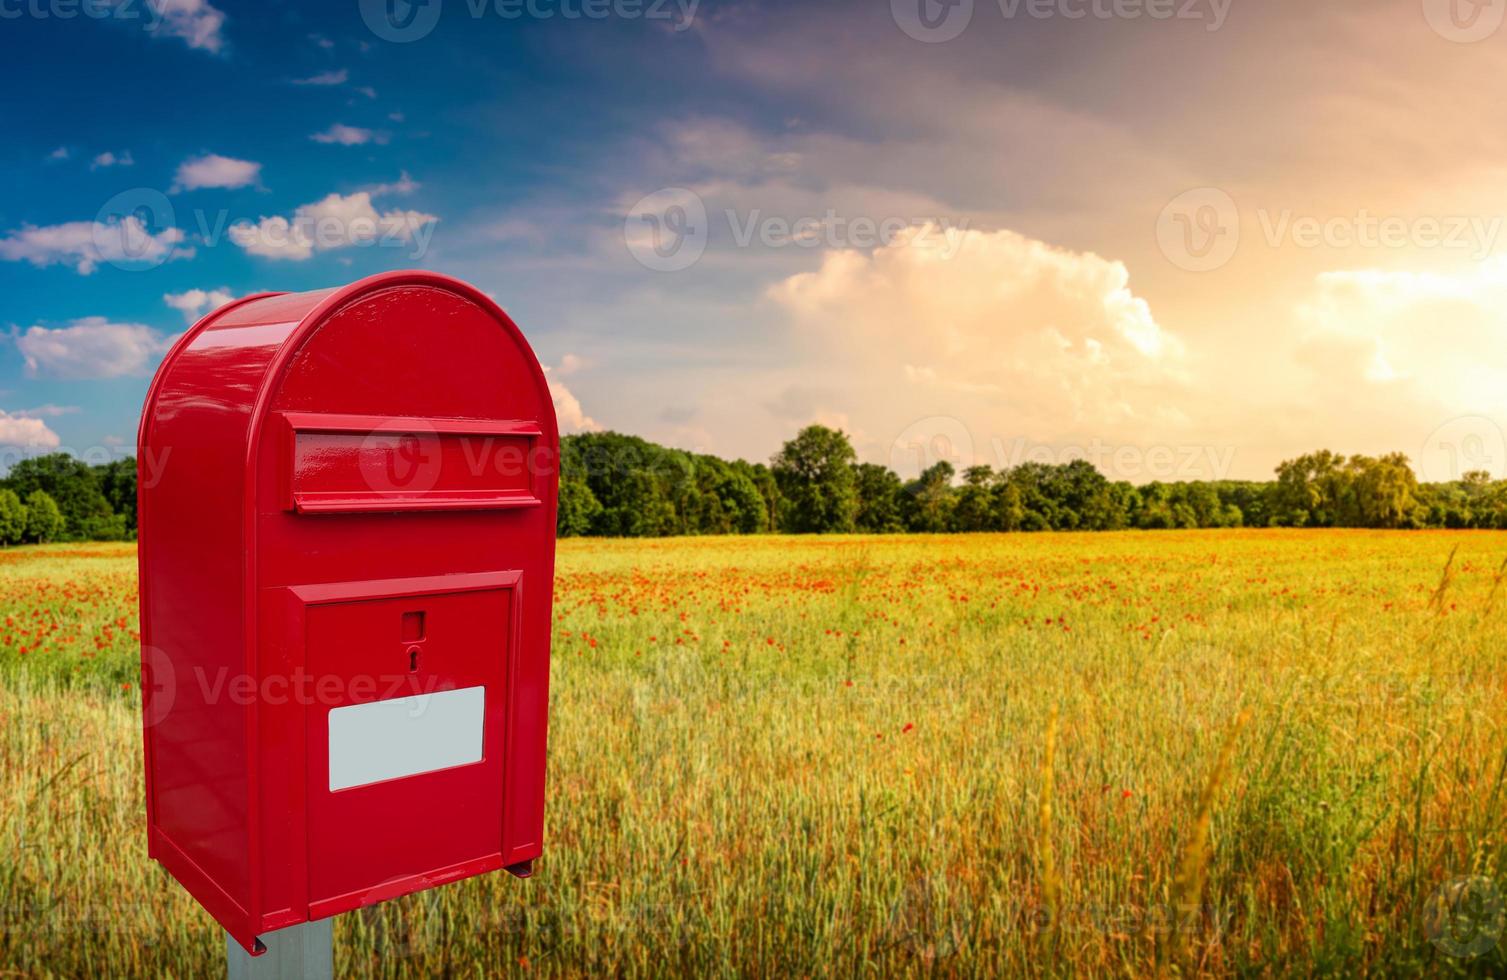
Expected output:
(1031, 481)
(1251, 500)
(117, 481)
(769, 491)
(815, 475)
(74, 488)
(644, 511)
(578, 508)
(730, 500)
(878, 499)
(12, 517)
(1080, 493)
(975, 510)
(1009, 505)
(44, 521)
(1311, 490)
(930, 499)
(1385, 490)
(637, 484)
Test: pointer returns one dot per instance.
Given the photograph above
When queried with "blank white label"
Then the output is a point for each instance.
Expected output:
(405, 736)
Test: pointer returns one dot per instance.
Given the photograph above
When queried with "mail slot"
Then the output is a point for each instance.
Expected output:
(347, 517)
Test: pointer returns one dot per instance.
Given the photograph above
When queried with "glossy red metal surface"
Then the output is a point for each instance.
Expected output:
(346, 496)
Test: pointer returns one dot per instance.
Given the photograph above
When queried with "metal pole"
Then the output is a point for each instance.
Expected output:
(302, 952)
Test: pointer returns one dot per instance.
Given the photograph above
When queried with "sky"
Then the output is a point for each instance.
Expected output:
(1184, 239)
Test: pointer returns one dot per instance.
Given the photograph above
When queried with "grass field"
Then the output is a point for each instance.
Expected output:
(1203, 753)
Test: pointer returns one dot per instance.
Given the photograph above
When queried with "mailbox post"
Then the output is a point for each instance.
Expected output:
(347, 518)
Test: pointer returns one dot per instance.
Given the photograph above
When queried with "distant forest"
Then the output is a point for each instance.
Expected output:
(616, 485)
(622, 486)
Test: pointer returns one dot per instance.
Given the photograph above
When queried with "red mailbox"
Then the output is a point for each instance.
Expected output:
(347, 514)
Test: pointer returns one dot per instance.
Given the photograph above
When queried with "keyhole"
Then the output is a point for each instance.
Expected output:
(413, 660)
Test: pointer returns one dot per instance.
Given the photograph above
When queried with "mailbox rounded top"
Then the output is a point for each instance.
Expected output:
(408, 343)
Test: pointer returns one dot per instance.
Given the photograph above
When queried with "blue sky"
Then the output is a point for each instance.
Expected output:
(967, 242)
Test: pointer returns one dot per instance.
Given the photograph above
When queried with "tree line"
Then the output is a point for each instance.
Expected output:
(622, 486)
(60, 498)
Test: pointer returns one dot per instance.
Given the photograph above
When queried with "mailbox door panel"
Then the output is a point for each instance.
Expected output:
(405, 734)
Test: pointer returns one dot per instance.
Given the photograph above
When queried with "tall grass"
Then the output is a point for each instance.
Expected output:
(838, 756)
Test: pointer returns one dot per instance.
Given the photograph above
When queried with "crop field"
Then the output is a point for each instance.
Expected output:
(1177, 753)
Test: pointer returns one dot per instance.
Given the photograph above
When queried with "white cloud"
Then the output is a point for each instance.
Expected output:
(568, 412)
(91, 347)
(336, 221)
(325, 78)
(85, 244)
(17, 429)
(47, 411)
(349, 135)
(194, 303)
(367, 91)
(1421, 345)
(1011, 335)
(108, 159)
(403, 185)
(196, 22)
(61, 153)
(213, 170)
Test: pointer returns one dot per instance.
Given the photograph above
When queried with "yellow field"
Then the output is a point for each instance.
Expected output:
(817, 756)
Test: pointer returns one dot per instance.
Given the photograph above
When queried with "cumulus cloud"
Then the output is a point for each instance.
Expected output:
(21, 430)
(349, 135)
(91, 347)
(213, 170)
(325, 78)
(336, 221)
(194, 303)
(61, 153)
(1011, 334)
(48, 411)
(403, 185)
(195, 22)
(108, 159)
(568, 411)
(85, 244)
(1414, 348)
